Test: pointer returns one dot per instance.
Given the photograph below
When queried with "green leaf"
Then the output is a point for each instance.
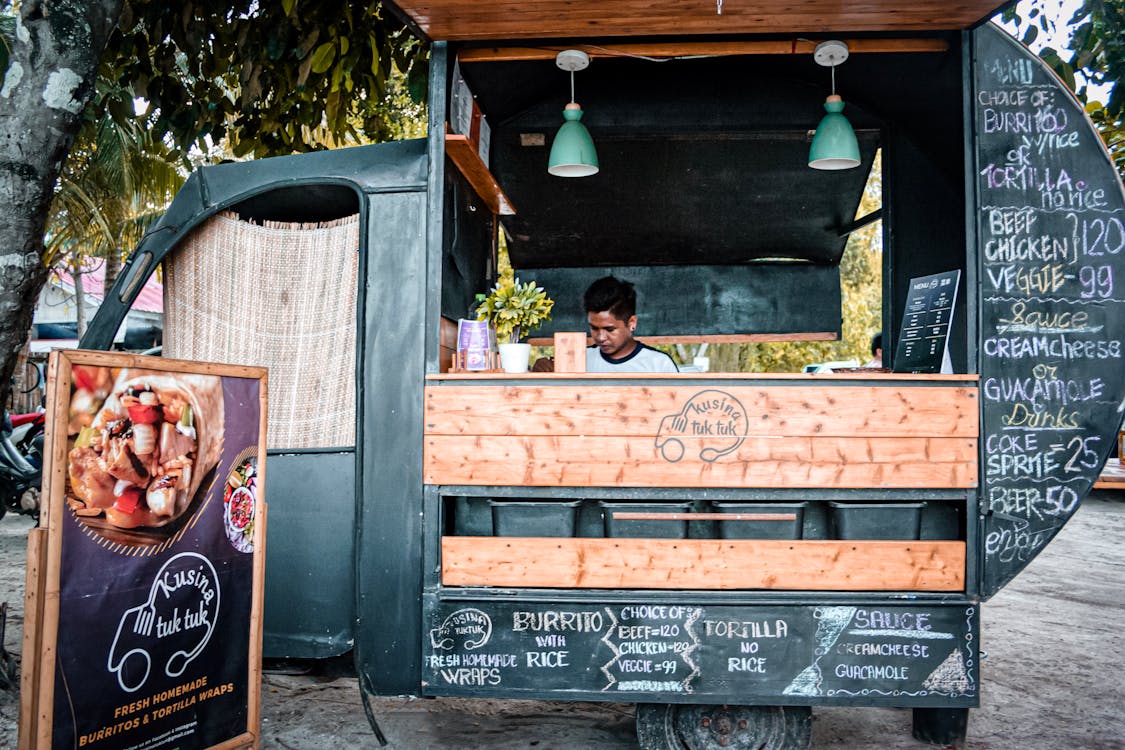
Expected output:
(288, 6)
(417, 80)
(323, 56)
(307, 44)
(374, 55)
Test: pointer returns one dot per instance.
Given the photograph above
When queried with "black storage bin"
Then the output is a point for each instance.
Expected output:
(529, 518)
(647, 529)
(761, 529)
(471, 516)
(942, 520)
(876, 520)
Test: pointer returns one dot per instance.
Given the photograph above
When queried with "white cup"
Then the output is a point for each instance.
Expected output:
(514, 357)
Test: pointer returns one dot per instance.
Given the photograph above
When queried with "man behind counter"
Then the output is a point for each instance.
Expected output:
(611, 310)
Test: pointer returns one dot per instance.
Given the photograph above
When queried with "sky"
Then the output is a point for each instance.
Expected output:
(1061, 11)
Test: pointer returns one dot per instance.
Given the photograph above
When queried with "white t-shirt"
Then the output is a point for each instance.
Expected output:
(642, 359)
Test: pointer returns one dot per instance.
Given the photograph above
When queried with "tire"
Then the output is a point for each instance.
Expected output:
(675, 727)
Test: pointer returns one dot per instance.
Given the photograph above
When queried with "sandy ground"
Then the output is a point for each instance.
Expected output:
(1053, 678)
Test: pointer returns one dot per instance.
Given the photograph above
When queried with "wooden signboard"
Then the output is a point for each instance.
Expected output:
(144, 582)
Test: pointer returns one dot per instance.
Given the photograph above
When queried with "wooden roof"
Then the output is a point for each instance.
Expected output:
(465, 20)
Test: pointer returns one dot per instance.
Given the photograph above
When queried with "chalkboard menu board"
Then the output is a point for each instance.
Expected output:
(923, 341)
(1051, 248)
(796, 655)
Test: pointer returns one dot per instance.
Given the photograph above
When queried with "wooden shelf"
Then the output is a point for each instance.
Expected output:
(715, 564)
(717, 338)
(1112, 476)
(464, 154)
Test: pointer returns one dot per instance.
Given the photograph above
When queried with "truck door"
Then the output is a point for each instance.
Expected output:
(1050, 240)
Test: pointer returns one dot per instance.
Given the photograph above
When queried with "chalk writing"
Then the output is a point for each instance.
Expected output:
(720, 654)
(471, 627)
(1051, 238)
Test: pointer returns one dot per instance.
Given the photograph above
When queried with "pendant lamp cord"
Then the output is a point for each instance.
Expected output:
(572, 87)
(833, 80)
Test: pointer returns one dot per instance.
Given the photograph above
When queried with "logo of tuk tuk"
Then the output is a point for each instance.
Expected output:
(470, 627)
(712, 422)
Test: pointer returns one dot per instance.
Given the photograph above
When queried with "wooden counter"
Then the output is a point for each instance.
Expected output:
(1112, 476)
(842, 431)
(699, 431)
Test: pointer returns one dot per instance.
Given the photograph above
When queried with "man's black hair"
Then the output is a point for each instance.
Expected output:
(876, 342)
(613, 295)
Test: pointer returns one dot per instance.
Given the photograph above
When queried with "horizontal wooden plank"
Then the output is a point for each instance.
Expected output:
(619, 515)
(464, 155)
(712, 564)
(777, 411)
(577, 461)
(1112, 476)
(691, 49)
(720, 338)
(458, 20)
(875, 376)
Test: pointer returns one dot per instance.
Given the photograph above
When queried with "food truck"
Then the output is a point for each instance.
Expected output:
(726, 550)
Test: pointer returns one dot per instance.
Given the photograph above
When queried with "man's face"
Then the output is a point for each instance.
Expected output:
(613, 336)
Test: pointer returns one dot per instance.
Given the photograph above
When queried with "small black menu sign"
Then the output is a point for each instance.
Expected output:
(923, 344)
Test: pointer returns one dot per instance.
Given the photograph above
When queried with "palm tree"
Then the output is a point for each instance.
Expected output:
(117, 180)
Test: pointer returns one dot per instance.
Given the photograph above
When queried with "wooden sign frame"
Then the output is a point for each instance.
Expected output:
(65, 533)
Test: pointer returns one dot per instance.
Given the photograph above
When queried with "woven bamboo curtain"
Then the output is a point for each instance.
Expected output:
(281, 296)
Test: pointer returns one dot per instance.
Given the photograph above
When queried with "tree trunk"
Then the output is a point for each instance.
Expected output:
(49, 81)
(112, 268)
(79, 297)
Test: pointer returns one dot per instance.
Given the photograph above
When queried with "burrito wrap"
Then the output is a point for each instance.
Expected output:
(205, 395)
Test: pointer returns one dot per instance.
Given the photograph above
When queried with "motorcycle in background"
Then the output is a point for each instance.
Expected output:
(21, 453)
(21, 462)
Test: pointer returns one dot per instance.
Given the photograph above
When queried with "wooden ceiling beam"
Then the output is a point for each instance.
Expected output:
(666, 50)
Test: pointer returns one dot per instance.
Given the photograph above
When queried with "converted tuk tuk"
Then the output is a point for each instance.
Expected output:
(532, 536)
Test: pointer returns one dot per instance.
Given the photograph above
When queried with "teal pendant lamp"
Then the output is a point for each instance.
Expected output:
(572, 152)
(834, 145)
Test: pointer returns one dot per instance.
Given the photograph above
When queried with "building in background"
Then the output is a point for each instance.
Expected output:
(55, 324)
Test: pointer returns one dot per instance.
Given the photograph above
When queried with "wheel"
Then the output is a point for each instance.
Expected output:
(673, 727)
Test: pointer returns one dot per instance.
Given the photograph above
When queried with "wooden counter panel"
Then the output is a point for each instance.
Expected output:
(712, 564)
(1112, 476)
(893, 410)
(575, 461)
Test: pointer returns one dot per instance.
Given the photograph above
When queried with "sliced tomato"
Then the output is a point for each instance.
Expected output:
(145, 413)
(128, 501)
(84, 379)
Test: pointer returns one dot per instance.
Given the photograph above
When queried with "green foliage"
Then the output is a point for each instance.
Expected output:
(514, 309)
(267, 78)
(117, 180)
(1112, 130)
(1096, 58)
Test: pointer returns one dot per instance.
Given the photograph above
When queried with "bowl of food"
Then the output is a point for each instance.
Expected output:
(147, 453)
(239, 503)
